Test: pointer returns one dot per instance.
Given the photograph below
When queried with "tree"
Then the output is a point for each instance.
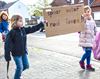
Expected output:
(37, 13)
(37, 9)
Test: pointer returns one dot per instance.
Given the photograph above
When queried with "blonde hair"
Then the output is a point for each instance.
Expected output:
(3, 13)
(87, 8)
(14, 20)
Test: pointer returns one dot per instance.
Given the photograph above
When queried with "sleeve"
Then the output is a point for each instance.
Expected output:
(8, 46)
(34, 28)
(1, 28)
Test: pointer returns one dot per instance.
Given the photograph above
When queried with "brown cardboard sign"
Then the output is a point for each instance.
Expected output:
(64, 19)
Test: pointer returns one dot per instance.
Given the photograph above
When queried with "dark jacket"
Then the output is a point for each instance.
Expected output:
(16, 40)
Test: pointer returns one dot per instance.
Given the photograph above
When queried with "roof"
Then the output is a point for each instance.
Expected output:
(2, 4)
(96, 3)
(6, 6)
(9, 5)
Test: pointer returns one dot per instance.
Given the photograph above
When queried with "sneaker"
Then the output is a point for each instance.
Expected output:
(90, 68)
(82, 64)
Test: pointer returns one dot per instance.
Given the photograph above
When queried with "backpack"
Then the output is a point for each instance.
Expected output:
(96, 47)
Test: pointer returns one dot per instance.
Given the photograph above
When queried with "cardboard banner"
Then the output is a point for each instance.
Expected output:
(64, 19)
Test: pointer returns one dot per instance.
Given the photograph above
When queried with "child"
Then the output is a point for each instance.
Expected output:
(86, 39)
(4, 24)
(16, 44)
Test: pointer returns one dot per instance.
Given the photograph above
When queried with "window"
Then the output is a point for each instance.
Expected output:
(81, 1)
(90, 1)
(70, 1)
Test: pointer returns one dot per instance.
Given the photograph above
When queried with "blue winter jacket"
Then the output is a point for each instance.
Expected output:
(4, 26)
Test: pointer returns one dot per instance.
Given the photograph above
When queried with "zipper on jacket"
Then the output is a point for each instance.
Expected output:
(22, 35)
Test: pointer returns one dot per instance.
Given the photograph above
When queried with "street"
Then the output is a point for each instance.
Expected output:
(53, 58)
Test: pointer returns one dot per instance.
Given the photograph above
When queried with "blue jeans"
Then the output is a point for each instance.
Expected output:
(87, 55)
(21, 64)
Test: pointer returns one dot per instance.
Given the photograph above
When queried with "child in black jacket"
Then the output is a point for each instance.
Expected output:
(16, 44)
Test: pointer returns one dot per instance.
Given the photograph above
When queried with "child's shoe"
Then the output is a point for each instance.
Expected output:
(82, 64)
(90, 68)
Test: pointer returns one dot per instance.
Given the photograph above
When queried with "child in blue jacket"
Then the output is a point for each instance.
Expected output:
(4, 24)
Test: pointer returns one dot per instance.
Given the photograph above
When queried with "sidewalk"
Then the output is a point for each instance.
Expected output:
(65, 44)
(53, 58)
(51, 65)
